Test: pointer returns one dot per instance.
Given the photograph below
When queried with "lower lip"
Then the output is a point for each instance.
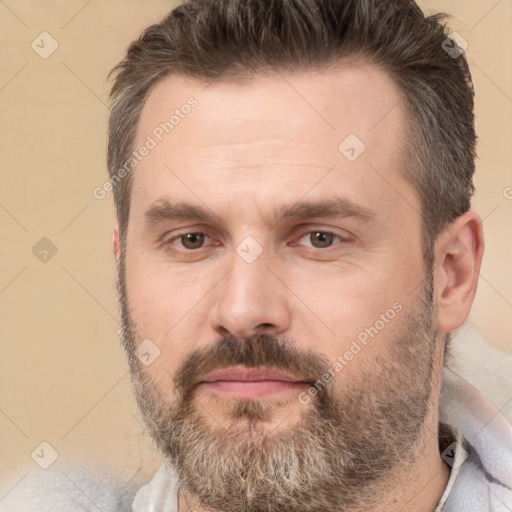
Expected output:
(253, 389)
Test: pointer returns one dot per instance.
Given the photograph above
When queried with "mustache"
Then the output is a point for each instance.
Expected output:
(259, 350)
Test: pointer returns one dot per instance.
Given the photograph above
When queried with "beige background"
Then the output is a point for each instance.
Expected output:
(63, 377)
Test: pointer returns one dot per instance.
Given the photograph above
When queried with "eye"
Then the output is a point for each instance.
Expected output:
(321, 239)
(191, 241)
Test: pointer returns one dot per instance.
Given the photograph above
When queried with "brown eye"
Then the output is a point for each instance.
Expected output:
(192, 240)
(321, 239)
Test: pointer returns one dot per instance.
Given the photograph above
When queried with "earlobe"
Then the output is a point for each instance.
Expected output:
(116, 243)
(458, 257)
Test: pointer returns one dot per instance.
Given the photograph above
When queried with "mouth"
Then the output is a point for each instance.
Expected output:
(250, 383)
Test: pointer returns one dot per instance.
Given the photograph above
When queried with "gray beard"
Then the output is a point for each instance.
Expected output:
(350, 442)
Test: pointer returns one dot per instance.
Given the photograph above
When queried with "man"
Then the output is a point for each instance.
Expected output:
(295, 246)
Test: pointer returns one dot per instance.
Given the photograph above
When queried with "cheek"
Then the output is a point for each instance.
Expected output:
(165, 306)
(357, 314)
(347, 298)
(155, 293)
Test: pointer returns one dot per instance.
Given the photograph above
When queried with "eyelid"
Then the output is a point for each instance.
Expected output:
(343, 234)
(176, 232)
(177, 236)
(341, 238)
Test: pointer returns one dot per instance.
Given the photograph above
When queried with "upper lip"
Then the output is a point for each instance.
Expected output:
(248, 375)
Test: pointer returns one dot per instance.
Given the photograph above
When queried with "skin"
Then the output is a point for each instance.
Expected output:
(247, 150)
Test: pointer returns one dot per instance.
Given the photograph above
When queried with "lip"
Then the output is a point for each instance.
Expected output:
(250, 383)
(248, 375)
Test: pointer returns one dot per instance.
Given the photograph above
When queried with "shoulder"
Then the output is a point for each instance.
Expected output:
(68, 489)
(486, 367)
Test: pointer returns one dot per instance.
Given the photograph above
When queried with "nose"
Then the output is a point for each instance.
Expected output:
(250, 300)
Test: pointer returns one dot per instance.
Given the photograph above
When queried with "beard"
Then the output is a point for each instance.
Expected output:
(352, 439)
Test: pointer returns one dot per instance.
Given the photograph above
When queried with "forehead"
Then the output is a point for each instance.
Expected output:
(272, 136)
(353, 97)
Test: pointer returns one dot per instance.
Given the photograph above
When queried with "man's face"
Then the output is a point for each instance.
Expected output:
(307, 260)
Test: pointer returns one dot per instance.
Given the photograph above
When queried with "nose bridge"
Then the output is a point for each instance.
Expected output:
(248, 298)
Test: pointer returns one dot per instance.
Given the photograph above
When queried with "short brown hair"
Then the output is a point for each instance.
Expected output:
(225, 39)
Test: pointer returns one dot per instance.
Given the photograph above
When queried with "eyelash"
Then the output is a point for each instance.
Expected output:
(178, 237)
(209, 235)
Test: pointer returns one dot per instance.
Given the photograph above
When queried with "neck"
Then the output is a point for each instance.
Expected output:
(418, 487)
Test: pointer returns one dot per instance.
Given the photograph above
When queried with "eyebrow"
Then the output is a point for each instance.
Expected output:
(335, 207)
(342, 207)
(162, 210)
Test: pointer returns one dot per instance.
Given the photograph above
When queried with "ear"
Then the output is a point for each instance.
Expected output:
(116, 247)
(458, 257)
